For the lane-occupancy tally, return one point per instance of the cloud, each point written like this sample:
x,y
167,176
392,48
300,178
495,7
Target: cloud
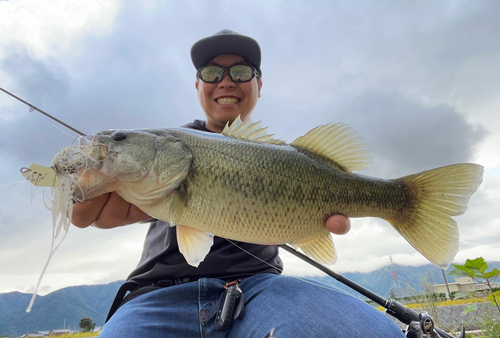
x,y
35,76
405,136
480,225
410,135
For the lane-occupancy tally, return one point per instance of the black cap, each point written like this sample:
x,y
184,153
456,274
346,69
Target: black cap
x,y
225,42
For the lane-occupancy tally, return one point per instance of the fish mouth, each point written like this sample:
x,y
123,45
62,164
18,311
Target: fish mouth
x,y
75,160
80,166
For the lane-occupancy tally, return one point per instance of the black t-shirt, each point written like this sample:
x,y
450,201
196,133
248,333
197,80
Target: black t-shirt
x,y
162,260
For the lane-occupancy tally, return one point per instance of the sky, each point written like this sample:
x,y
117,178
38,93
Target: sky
x,y
418,80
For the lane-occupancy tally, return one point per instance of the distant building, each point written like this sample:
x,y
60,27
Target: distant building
x,y
47,333
60,332
461,284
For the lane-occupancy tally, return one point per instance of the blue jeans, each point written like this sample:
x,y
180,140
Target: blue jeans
x,y
275,306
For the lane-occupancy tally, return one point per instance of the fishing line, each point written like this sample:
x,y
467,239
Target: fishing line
x,y
53,125
6,185
281,270
32,190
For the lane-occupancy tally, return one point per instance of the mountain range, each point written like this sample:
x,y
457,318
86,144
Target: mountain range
x,y
66,307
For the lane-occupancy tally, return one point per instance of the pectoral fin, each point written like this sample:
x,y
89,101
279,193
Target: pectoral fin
x,y
194,244
319,247
178,201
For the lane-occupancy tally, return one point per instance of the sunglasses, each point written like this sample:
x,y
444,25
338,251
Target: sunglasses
x,y
238,73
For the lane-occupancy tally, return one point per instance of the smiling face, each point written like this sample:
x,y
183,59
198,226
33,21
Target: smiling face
x,y
225,100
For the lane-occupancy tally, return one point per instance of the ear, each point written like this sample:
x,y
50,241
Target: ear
x,y
196,86
259,82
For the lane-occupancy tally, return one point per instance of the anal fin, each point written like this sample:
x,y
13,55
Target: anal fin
x,y
319,247
194,244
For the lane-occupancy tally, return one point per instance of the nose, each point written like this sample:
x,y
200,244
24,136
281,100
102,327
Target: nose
x,y
226,82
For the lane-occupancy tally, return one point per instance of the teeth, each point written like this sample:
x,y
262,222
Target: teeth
x,y
227,100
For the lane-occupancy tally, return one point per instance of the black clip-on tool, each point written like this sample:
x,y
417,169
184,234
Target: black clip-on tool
x,y
419,325
231,306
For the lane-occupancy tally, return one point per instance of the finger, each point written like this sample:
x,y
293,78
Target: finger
x,y
135,215
338,224
113,213
85,213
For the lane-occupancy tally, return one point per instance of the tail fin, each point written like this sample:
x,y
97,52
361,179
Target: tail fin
x,y
439,193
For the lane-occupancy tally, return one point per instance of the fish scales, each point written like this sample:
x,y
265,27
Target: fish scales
x,y
267,194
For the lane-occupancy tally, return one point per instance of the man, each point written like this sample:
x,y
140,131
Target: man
x,y
172,299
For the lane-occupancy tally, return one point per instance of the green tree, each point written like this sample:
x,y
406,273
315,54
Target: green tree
x,y
86,324
485,280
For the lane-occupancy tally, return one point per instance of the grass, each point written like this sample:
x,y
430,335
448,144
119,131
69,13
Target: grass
x,y
79,335
444,303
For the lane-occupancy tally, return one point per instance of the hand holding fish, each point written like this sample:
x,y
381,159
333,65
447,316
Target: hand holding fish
x,y
338,225
110,211
107,211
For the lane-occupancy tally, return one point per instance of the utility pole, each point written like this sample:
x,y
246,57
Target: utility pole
x,y
448,295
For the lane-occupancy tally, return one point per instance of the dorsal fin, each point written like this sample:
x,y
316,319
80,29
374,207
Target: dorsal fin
x,y
339,143
249,131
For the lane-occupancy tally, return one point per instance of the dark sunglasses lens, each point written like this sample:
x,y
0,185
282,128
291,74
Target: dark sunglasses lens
x,y
241,73
211,74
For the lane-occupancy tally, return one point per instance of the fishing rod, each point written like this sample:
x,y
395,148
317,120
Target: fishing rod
x,y
32,107
419,325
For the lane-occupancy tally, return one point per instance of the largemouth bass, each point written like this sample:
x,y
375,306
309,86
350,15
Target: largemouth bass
x,y
246,186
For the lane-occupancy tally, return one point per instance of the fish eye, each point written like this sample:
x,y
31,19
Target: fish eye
x,y
120,135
